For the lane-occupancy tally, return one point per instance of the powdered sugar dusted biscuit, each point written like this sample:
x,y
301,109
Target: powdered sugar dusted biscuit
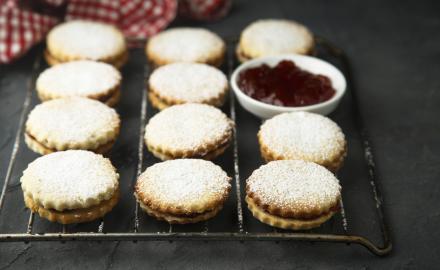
x,y
187,83
90,79
293,194
302,135
71,123
70,186
188,131
79,39
183,190
274,37
186,45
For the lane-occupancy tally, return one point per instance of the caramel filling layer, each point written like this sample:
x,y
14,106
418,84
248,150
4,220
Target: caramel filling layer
x,y
117,61
105,98
74,215
331,210
186,215
181,219
101,149
323,216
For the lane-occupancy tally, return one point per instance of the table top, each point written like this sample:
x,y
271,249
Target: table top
x,y
392,46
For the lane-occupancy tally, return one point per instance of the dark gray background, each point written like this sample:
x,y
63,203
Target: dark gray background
x,y
394,47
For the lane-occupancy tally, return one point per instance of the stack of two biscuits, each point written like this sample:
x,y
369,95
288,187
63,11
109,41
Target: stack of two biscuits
x,y
297,188
73,126
71,186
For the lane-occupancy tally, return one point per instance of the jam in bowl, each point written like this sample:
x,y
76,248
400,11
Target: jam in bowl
x,y
271,85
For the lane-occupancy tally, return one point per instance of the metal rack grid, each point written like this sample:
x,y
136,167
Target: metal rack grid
x,y
241,234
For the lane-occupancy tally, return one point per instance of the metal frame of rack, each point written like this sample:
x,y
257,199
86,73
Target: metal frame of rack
x,y
241,234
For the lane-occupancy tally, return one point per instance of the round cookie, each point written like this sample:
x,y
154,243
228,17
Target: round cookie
x,y
71,123
183,190
81,40
186,45
293,194
83,78
179,83
302,135
70,186
188,131
274,37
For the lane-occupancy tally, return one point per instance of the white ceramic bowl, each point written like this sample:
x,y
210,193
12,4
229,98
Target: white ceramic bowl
x,y
309,63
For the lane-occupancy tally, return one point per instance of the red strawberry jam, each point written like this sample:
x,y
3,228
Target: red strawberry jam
x,y
285,85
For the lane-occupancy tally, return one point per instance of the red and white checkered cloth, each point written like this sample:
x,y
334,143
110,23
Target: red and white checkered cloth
x,y
20,29
23,23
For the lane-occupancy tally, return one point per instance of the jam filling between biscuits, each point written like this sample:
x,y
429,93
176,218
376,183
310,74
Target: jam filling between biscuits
x,y
188,215
214,101
333,209
102,146
105,98
113,199
246,57
116,61
209,153
220,147
183,215
243,55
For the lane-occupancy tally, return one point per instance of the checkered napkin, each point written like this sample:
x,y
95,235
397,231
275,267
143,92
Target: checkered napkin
x,y
23,23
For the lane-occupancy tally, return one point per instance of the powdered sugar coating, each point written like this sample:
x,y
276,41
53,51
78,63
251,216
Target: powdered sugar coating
x,y
294,184
302,135
69,180
74,123
185,45
273,37
78,78
186,184
81,39
188,127
188,82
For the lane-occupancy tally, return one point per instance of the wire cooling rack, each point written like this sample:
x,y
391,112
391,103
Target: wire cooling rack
x,y
360,221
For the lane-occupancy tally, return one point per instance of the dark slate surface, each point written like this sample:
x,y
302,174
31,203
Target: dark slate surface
x,y
395,52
